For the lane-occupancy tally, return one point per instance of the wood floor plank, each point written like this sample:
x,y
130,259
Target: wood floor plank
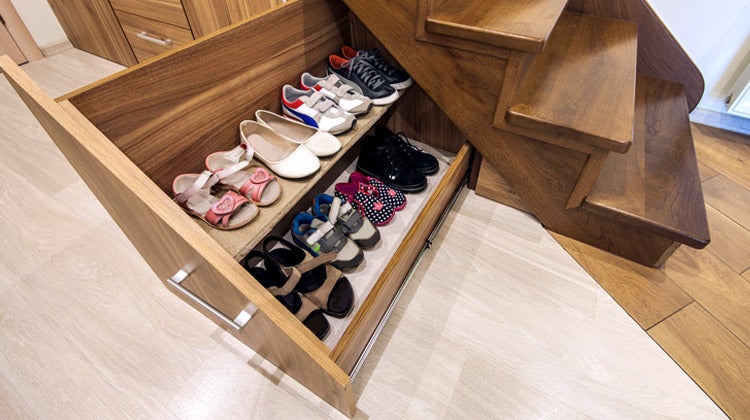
x,y
706,171
646,294
724,151
718,289
711,355
730,242
729,198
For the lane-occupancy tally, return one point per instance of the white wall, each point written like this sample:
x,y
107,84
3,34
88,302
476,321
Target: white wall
x,y
716,35
41,22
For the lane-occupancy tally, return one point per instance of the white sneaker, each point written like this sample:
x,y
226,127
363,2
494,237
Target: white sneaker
x,y
334,89
315,110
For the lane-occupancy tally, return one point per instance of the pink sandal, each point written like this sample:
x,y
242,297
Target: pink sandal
x,y
230,211
233,170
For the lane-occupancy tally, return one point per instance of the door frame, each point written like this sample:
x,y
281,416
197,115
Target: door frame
x,y
19,32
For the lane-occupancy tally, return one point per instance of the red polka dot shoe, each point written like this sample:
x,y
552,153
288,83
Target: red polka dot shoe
x,y
366,199
389,196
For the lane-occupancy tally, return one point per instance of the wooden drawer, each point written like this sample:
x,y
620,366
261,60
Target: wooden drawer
x,y
167,11
148,37
129,135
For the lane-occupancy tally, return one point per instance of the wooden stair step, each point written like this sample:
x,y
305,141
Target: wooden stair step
x,y
656,185
522,25
582,86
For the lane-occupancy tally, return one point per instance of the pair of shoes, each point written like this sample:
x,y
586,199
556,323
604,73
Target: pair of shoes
x,y
193,192
346,219
313,108
345,96
370,73
288,148
318,236
371,197
246,187
306,286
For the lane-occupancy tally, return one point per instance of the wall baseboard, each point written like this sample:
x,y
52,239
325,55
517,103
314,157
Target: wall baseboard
x,y
720,120
56,47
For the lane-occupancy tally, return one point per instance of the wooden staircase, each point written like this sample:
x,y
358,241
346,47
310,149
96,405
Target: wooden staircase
x,y
581,105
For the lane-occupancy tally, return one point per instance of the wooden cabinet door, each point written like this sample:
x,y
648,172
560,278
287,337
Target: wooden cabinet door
x,y
91,26
181,254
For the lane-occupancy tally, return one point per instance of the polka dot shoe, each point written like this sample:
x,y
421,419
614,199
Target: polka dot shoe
x,y
390,196
366,200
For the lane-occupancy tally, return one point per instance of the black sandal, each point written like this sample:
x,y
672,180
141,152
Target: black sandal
x,y
269,274
322,283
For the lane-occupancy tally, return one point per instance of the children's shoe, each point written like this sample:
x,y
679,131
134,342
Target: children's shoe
x,y
390,196
380,159
358,72
416,157
365,199
315,110
345,96
346,219
319,237
322,144
397,78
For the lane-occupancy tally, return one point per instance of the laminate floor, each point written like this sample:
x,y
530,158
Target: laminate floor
x,y
498,320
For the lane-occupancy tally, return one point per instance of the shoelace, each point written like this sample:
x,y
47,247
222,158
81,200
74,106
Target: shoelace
x,y
377,61
366,72
404,144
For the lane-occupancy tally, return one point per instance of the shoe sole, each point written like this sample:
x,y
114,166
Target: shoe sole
x,y
402,85
386,99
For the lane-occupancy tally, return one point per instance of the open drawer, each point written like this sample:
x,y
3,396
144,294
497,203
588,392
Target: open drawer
x,y
129,135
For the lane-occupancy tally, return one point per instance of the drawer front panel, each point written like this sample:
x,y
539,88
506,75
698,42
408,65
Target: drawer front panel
x,y
167,11
150,37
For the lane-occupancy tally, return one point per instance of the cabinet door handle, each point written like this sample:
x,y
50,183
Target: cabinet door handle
x,y
237,323
146,37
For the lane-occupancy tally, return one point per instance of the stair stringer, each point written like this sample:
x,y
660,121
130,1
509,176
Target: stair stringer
x,y
466,86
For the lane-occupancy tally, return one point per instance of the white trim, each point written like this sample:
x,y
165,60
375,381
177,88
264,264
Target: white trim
x,y
721,120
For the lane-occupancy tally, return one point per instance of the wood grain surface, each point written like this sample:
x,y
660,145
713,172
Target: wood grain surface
x,y
492,185
92,26
710,354
656,185
583,84
659,53
514,24
209,16
167,11
133,25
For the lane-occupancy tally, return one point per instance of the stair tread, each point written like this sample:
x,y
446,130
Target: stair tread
x,y
517,24
656,185
582,86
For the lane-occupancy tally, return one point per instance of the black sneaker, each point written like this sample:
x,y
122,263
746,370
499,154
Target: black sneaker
x,y
381,160
397,78
414,156
363,75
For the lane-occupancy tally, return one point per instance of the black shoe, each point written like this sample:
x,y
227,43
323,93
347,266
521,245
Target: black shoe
x,y
380,159
397,78
360,74
416,157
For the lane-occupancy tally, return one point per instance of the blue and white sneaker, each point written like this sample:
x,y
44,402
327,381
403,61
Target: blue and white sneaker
x,y
314,109
345,96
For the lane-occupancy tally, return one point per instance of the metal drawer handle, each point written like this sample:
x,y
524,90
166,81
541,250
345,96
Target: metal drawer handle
x,y
237,323
146,37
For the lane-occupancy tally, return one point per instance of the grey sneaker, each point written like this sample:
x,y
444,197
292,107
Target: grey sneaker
x,y
345,96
